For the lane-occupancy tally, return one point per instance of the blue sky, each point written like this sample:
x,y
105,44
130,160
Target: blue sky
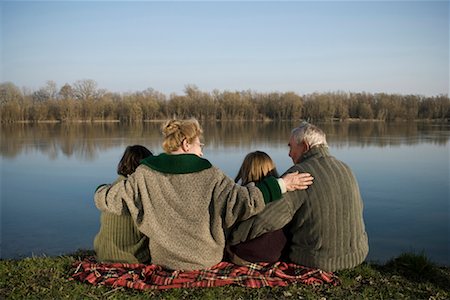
x,y
300,46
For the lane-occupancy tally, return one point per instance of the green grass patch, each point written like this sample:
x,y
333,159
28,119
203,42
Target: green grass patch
x,y
409,276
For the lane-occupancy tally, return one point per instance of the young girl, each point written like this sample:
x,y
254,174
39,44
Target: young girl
x,y
118,239
269,246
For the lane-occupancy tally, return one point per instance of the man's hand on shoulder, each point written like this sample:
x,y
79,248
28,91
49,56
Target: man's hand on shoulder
x,y
297,181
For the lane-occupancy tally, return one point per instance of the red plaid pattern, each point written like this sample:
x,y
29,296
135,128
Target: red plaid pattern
x,y
141,277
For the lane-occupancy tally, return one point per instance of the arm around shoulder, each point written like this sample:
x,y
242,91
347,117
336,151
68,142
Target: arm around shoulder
x,y
111,198
275,216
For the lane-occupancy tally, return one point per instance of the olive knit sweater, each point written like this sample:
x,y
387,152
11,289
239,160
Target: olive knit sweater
x,y
185,206
119,240
327,229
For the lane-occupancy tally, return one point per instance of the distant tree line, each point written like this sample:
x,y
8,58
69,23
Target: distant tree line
x,y
84,101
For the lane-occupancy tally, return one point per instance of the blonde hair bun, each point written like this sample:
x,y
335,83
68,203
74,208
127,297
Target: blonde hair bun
x,y
175,131
171,127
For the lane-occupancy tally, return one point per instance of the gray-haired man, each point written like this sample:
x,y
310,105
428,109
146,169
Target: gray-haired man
x,y
325,224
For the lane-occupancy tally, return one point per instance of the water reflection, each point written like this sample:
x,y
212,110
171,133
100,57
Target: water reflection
x,y
86,141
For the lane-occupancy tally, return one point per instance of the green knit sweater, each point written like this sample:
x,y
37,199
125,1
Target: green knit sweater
x,y
119,240
326,220
185,206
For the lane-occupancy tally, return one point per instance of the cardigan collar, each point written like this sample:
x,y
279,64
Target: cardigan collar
x,y
176,163
316,152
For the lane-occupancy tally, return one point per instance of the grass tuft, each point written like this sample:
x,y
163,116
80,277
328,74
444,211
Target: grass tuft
x,y
414,266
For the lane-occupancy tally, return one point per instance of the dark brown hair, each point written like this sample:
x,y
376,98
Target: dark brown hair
x,y
131,159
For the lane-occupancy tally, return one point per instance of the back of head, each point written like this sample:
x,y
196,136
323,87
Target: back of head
x,y
255,167
309,133
176,131
131,159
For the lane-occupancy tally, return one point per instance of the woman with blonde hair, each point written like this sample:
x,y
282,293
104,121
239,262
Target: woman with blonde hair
x,y
184,204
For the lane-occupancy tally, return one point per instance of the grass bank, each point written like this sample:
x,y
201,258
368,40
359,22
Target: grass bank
x,y
409,276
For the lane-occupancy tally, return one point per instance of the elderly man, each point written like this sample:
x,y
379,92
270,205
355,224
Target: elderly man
x,y
325,226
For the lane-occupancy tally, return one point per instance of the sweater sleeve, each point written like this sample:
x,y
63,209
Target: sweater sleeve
x,y
236,202
242,202
275,216
270,188
114,198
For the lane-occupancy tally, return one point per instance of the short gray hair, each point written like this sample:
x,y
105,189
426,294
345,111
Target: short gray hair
x,y
311,134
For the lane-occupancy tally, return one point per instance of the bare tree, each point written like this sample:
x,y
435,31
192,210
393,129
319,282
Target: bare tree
x,y
9,92
85,89
66,92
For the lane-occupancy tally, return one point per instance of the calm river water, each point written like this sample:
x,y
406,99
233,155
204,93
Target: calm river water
x,y
49,173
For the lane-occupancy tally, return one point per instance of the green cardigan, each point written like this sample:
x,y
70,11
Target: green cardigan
x,y
325,221
185,206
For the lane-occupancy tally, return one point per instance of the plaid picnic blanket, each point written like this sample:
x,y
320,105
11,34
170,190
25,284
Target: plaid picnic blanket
x,y
149,276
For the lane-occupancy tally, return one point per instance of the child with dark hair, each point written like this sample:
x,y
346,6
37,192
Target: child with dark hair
x,y
119,240
269,246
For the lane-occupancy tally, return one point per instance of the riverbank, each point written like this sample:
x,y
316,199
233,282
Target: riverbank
x,y
409,276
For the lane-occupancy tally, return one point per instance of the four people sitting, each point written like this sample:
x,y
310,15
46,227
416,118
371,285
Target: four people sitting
x,y
189,211
185,205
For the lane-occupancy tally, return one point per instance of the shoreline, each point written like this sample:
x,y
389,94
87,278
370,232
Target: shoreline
x,y
90,252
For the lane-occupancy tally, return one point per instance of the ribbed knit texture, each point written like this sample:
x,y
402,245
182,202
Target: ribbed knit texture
x,y
327,228
185,216
119,240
